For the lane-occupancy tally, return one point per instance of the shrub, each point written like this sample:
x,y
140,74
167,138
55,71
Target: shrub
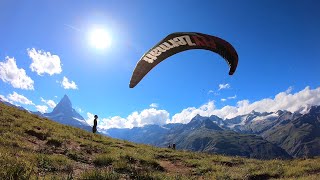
x,y
39,135
100,175
52,163
103,160
54,142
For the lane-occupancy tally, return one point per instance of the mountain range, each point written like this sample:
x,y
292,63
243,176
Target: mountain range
x,y
265,135
202,134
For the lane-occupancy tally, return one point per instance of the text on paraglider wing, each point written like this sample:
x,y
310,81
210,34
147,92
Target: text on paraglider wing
x,y
184,40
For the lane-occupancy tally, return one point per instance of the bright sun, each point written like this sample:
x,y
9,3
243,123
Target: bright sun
x,y
100,39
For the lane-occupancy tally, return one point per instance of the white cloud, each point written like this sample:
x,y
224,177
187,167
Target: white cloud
x,y
44,62
187,114
79,110
224,86
148,116
135,119
232,97
10,73
154,105
15,97
50,103
72,27
3,98
210,91
90,118
115,122
66,84
289,90
107,123
42,109
282,101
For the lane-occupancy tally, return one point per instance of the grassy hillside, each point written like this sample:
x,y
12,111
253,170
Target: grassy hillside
x,y
37,148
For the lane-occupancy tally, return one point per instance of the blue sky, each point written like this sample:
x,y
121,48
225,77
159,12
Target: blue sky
x,y
45,43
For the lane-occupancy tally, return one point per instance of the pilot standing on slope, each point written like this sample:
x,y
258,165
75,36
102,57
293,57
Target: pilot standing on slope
x,y
94,128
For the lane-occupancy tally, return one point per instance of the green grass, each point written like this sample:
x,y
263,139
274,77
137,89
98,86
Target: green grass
x,y
54,163
37,148
12,167
103,160
100,175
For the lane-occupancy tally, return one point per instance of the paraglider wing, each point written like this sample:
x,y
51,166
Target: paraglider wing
x,y
182,41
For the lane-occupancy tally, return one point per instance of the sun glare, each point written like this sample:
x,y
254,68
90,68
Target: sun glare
x,y
100,39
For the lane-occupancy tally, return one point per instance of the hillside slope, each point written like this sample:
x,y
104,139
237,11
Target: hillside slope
x,y
32,147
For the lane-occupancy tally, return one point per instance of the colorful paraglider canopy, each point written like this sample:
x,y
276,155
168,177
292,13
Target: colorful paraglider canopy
x,y
182,41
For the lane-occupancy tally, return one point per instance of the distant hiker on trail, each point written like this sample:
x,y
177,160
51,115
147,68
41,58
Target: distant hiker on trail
x,y
172,146
94,128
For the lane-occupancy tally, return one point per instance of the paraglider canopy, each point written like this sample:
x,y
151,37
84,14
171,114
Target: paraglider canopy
x,y
182,41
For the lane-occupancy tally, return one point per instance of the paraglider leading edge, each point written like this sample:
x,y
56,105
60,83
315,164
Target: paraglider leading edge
x,y
179,42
